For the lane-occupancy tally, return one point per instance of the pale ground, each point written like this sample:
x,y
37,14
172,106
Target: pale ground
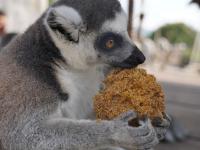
x,y
186,76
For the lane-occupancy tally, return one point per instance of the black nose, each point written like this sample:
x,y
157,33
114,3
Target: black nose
x,y
136,58
139,56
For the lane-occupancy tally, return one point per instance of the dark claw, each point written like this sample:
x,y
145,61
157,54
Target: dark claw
x,y
162,123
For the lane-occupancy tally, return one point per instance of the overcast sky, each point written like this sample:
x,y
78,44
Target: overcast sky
x,y
159,12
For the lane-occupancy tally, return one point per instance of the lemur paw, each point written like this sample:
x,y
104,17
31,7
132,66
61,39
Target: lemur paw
x,y
128,137
161,126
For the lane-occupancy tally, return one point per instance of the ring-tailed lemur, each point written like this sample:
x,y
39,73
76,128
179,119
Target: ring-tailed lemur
x,y
50,74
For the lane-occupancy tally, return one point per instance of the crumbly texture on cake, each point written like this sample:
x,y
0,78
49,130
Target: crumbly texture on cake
x,y
129,89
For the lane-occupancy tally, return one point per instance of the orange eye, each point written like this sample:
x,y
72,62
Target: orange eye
x,y
110,44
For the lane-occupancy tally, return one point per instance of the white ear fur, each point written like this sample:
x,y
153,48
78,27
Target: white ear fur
x,y
66,21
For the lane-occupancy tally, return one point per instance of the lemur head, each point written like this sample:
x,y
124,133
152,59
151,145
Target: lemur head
x,y
92,32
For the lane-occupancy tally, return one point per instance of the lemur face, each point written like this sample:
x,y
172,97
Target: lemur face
x,y
86,40
115,47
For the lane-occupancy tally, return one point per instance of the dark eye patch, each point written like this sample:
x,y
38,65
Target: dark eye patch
x,y
101,42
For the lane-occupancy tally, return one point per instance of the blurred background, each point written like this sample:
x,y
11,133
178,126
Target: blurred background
x,y
168,32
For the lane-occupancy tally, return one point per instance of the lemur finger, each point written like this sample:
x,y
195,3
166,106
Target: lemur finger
x,y
160,133
142,130
167,117
149,142
148,138
143,143
149,146
138,132
127,116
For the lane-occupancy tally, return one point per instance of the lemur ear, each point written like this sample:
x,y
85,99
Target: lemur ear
x,y
67,22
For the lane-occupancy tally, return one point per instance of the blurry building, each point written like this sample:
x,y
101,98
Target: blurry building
x,y
22,13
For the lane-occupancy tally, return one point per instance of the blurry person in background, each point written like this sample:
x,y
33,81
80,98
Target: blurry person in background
x,y
2,23
5,38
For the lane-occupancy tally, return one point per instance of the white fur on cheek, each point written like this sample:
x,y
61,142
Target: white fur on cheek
x,y
77,54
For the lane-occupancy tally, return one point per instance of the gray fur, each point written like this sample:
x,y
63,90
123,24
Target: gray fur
x,y
46,102
93,12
